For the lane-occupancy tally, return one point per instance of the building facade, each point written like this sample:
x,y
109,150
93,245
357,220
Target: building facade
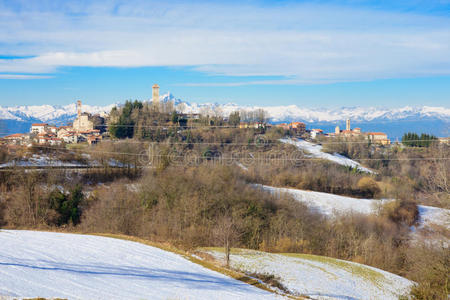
x,y
82,123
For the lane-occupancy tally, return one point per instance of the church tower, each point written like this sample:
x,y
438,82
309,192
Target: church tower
x,y
79,108
337,130
155,94
348,125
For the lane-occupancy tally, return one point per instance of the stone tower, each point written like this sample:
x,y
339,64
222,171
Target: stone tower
x,y
348,125
155,94
79,108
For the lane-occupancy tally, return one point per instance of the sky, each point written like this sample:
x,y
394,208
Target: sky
x,y
308,53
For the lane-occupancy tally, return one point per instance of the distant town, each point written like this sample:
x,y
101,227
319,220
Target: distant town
x,y
91,129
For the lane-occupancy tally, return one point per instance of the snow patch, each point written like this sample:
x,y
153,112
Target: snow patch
x,y
73,266
315,151
331,205
320,277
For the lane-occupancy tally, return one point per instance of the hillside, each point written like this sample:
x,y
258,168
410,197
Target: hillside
x,y
315,151
330,204
72,266
319,277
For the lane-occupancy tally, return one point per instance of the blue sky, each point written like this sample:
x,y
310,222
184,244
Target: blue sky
x,y
309,53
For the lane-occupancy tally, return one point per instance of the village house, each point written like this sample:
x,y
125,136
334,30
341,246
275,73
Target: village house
x,y
284,126
315,133
255,125
378,138
298,127
37,128
69,138
52,129
94,139
444,140
17,139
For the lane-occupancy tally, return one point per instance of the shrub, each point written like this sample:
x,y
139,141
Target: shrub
x,y
401,212
368,186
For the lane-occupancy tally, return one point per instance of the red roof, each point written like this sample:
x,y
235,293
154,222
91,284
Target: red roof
x,y
14,135
376,133
39,124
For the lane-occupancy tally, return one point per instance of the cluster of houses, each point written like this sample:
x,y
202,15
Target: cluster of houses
x,y
82,130
299,128
374,137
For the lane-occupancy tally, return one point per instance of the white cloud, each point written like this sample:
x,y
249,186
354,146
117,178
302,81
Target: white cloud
x,y
23,76
305,43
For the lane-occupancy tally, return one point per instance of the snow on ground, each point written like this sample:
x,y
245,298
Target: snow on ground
x,y
45,161
434,215
41,161
330,205
46,264
316,151
320,277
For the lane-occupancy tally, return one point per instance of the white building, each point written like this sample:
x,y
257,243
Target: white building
x,y
316,132
38,128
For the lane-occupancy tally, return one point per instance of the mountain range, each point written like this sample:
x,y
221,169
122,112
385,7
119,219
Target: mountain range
x,y
394,121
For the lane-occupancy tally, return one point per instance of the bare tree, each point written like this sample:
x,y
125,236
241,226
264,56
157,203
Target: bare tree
x,y
227,233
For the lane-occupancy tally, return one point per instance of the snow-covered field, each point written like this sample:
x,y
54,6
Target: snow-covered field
x,y
315,151
41,161
45,264
330,204
320,277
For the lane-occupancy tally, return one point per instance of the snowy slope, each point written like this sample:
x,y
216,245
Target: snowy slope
x,y
434,215
315,151
75,266
320,277
330,204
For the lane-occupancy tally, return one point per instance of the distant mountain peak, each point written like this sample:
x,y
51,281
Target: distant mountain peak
x,y
60,114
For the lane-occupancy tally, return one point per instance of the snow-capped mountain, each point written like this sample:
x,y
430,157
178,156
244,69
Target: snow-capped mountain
x,y
423,117
58,114
295,113
49,113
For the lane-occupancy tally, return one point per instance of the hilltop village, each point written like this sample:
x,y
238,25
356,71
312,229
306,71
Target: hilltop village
x,y
92,129
82,130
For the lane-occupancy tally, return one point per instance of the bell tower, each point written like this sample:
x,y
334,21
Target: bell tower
x,y
348,125
155,94
79,108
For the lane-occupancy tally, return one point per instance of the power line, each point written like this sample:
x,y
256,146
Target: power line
x,y
268,156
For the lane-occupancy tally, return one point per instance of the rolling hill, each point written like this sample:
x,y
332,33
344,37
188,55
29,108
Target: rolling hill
x,y
72,266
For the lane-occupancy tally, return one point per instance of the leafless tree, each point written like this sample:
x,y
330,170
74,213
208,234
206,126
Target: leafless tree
x,y
227,233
